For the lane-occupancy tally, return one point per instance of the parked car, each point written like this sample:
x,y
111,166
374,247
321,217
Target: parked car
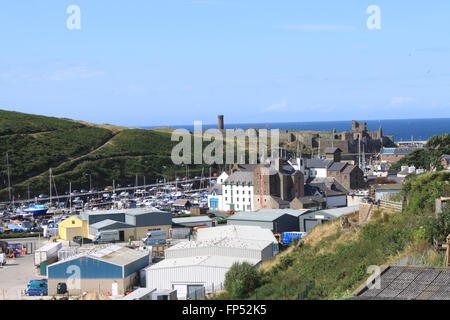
x,y
37,284
79,240
36,291
61,288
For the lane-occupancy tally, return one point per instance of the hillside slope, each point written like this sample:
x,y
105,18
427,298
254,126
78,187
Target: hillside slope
x,y
335,260
75,149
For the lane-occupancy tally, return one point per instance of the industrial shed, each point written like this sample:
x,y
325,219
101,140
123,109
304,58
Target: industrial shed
x,y
146,220
308,220
192,222
125,230
190,274
254,249
70,228
142,221
238,232
111,269
277,222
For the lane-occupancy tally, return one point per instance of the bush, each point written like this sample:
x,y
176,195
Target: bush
x,y
241,280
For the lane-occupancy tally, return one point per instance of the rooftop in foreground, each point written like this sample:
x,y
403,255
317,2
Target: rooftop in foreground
x,y
409,283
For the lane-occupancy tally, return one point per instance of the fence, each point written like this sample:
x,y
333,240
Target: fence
x,y
386,204
202,292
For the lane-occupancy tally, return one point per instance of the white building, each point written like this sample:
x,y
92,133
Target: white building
x,y
316,168
237,191
189,275
239,232
215,198
193,266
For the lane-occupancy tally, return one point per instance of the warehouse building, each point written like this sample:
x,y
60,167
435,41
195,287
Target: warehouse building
x,y
201,265
308,220
145,220
278,222
105,270
238,232
191,222
126,231
70,228
189,275
254,249
134,223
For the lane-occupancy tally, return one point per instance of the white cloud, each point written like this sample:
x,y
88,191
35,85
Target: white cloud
x,y
277,106
317,27
397,101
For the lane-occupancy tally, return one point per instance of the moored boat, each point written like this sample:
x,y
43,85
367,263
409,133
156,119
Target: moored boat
x,y
37,210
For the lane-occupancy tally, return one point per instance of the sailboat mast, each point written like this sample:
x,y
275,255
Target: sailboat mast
x,y
9,178
50,179
70,197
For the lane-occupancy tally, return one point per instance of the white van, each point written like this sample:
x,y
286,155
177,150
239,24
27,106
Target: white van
x,y
106,236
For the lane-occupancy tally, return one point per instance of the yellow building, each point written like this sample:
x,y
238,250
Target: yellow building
x,y
70,228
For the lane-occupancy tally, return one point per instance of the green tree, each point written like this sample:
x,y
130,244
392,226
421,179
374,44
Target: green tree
x,y
241,280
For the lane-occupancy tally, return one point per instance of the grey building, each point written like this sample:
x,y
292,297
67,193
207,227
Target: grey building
x,y
278,222
309,219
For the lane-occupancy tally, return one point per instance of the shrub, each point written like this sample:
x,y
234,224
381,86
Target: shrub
x,y
241,280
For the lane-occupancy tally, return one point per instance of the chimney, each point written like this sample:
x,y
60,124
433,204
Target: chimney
x,y
220,120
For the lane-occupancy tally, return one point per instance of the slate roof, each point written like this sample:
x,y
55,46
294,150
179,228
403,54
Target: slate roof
x,y
332,150
240,177
336,166
317,163
348,169
409,283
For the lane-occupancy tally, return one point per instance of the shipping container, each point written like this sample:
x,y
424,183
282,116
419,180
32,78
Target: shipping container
x,y
46,252
287,237
43,266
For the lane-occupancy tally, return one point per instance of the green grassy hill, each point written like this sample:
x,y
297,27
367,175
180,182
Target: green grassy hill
x,y
75,149
336,260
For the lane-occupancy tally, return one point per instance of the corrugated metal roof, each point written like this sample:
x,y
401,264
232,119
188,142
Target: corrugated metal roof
x,y
337,212
191,219
114,254
292,212
236,232
256,216
207,261
222,242
108,222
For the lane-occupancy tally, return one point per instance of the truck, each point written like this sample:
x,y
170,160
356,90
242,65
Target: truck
x,y
106,236
46,252
154,237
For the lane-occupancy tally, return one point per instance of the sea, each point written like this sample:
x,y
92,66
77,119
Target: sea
x,y
401,129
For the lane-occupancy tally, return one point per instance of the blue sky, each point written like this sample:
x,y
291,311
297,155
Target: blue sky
x,y
168,62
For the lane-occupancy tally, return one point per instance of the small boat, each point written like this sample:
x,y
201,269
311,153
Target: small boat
x,y
36,210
